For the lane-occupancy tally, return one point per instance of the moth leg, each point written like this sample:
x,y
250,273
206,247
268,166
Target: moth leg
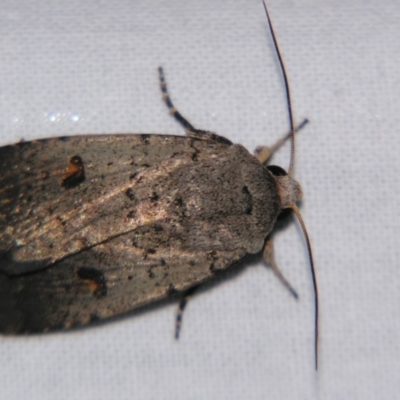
x,y
182,304
268,255
264,153
189,128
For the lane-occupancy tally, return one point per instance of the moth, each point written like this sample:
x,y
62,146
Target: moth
x,y
95,226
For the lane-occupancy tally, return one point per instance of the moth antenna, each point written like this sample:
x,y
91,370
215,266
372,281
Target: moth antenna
x,y
287,90
290,171
314,278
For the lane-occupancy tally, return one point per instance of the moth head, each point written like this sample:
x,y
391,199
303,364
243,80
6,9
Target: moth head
x,y
289,190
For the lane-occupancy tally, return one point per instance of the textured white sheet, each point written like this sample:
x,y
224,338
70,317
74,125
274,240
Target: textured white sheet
x,y
90,66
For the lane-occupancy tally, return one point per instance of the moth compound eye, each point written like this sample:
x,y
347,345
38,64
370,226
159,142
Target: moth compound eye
x,y
276,171
285,213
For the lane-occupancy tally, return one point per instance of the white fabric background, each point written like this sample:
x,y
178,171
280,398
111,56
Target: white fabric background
x,y
90,67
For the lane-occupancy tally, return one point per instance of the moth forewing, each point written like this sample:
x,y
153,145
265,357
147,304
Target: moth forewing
x,y
147,220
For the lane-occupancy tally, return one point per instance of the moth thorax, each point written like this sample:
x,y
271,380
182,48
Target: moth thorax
x,y
289,191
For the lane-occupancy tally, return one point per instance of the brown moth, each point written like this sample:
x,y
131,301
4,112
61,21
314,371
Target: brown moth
x,y
96,226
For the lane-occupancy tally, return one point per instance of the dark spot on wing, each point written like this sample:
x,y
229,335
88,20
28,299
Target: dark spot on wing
x,y
179,201
75,173
95,280
154,197
249,200
130,194
131,214
158,228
